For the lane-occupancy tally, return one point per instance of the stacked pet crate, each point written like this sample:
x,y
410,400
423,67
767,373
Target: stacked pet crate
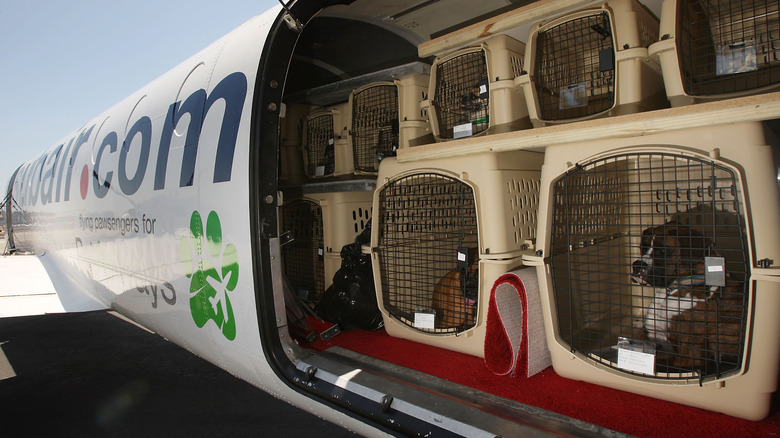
x,y
472,91
385,116
326,149
291,163
592,63
660,249
320,224
303,257
658,280
442,233
718,49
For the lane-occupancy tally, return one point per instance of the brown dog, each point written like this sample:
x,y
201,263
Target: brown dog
x,y
695,320
453,309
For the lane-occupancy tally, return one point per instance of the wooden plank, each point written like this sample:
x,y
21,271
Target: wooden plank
x,y
528,14
744,109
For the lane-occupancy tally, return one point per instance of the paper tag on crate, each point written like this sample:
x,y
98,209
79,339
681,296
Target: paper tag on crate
x,y
735,58
464,130
636,356
425,319
573,96
484,89
463,257
715,271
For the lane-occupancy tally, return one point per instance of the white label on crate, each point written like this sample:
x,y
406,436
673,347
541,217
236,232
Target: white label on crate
x,y
636,361
330,142
714,268
424,320
735,58
483,89
461,131
573,96
319,171
461,257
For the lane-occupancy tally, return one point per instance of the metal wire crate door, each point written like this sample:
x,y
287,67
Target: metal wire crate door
x,y
601,212
303,256
575,71
462,94
728,46
424,219
320,151
375,126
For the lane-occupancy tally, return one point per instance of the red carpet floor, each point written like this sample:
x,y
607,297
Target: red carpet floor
x,y
622,411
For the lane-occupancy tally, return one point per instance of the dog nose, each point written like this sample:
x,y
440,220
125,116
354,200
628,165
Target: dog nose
x,y
639,268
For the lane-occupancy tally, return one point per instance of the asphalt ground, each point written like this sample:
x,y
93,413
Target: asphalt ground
x,y
93,374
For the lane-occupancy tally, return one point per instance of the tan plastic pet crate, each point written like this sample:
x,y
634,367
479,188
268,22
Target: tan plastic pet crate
x,y
320,225
472,90
592,63
443,232
659,257
718,49
303,257
291,164
326,150
386,116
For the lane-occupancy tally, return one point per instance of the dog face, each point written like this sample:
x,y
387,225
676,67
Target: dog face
x,y
670,252
686,317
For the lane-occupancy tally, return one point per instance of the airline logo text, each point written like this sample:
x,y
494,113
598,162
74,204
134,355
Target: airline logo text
x,y
48,179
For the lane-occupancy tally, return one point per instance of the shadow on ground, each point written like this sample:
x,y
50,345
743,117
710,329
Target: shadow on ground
x,y
91,374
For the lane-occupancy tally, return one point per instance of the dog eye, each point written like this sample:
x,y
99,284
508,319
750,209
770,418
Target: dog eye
x,y
659,253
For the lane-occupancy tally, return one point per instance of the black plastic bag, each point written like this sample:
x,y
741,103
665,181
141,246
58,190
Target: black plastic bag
x,y
351,300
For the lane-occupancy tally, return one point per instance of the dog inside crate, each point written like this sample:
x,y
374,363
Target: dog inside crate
x,y
462,96
649,253
455,295
429,252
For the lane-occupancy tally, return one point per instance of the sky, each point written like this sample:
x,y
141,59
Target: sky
x,y
63,63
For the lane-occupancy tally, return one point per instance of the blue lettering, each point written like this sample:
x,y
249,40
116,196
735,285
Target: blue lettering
x,y
194,107
101,189
130,185
27,182
62,168
46,190
233,90
37,168
19,189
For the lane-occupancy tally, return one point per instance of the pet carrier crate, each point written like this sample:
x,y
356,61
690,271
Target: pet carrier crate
x,y
442,233
659,276
326,149
592,63
291,163
320,224
386,116
718,49
472,90
303,257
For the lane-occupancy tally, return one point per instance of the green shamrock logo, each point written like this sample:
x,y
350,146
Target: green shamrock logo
x,y
213,273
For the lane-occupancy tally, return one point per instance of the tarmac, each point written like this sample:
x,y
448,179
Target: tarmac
x,y
94,374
